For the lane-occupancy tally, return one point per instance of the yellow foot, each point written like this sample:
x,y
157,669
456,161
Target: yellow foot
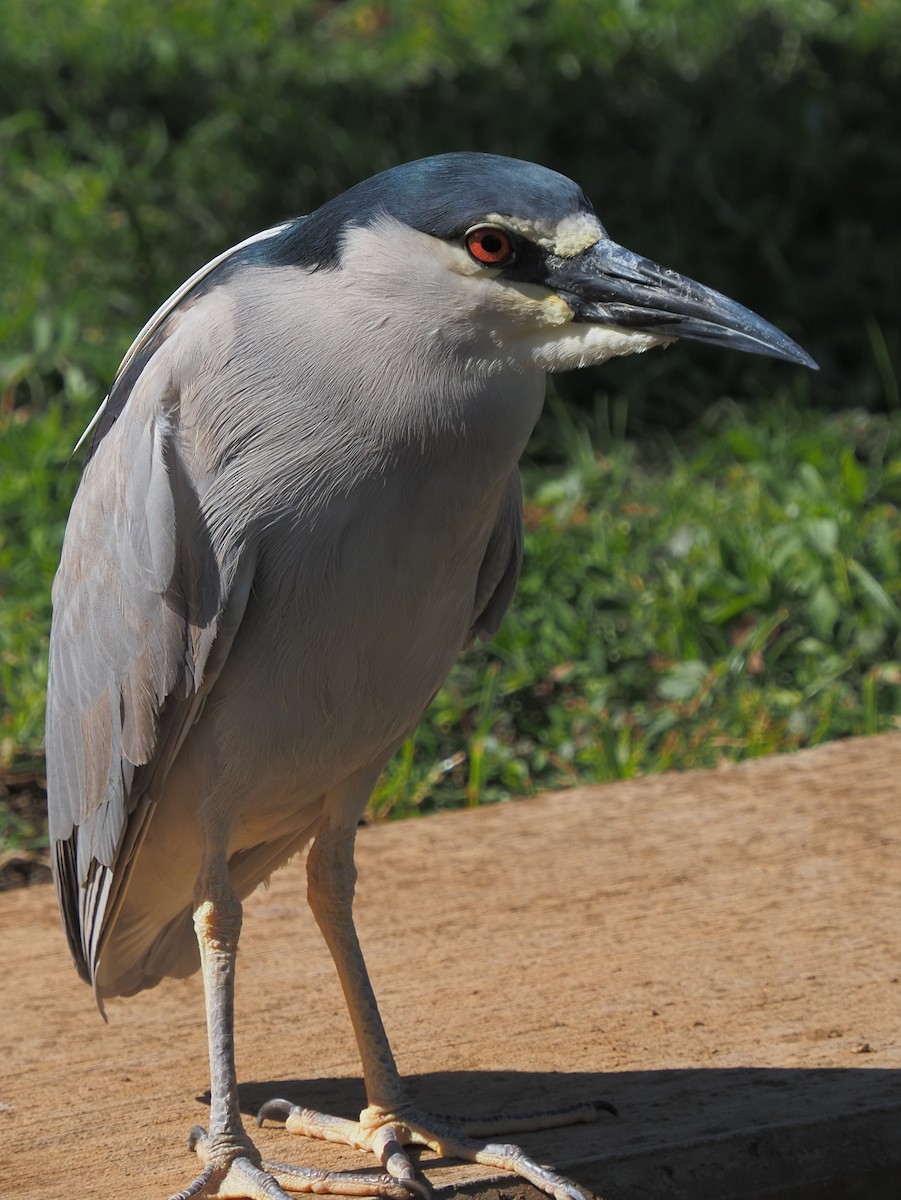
x,y
239,1175
385,1133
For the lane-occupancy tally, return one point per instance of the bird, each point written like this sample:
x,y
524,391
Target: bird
x,y
300,503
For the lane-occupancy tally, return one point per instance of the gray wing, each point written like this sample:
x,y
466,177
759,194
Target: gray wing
x,y
501,565
153,335
145,609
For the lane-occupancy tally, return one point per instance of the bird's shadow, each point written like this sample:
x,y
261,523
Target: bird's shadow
x,y
692,1134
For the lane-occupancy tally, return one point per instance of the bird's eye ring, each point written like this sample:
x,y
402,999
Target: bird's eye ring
x,y
489,245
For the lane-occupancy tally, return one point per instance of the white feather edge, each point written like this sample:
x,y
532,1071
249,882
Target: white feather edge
x,y
168,306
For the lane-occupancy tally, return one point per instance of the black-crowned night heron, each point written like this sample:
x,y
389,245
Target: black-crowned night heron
x,y
301,503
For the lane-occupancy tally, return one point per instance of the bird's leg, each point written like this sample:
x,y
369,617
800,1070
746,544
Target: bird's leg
x,y
232,1166
391,1120
331,881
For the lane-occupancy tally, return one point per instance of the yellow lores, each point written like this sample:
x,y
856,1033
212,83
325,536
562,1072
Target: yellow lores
x,y
530,307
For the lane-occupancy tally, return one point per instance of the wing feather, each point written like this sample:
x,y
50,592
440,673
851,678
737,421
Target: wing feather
x,y
140,600
501,565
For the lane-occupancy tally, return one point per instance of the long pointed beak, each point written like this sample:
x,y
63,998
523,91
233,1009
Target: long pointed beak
x,y
610,285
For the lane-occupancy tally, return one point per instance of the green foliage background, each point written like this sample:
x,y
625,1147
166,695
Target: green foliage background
x,y
730,589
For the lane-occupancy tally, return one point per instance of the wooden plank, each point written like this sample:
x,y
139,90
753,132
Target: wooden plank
x,y
717,953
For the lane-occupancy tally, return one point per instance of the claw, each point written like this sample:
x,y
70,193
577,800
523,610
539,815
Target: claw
x,y
571,1192
197,1134
419,1187
387,1145
282,1107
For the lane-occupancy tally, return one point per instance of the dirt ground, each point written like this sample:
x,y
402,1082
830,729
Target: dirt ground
x,y
717,953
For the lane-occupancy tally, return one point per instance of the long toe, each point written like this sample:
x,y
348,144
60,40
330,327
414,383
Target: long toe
x,y
239,1179
341,1183
386,1134
514,1161
497,1124
234,1176
385,1143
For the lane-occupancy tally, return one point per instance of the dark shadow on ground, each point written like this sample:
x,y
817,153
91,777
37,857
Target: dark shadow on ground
x,y
694,1134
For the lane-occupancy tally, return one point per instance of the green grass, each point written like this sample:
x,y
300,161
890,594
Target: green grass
x,y
35,490
728,593
732,594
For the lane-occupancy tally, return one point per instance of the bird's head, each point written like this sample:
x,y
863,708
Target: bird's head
x,y
512,257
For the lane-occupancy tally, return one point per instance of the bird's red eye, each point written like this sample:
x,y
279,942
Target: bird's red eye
x,y
489,245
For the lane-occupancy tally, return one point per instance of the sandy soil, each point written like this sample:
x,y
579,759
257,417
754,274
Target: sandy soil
x,y
712,952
